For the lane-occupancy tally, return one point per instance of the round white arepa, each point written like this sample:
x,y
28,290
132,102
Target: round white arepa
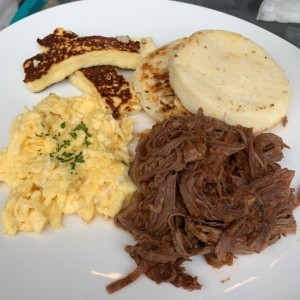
x,y
231,78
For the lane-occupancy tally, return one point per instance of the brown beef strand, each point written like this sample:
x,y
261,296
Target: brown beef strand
x,y
204,188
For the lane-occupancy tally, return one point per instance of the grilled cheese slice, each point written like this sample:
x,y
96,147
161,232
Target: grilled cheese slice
x,y
110,86
64,52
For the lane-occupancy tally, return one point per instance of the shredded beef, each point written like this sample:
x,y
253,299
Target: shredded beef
x,y
204,188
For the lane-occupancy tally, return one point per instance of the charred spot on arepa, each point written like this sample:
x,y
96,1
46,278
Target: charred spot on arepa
x,y
151,83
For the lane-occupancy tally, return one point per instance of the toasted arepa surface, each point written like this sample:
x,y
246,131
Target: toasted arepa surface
x,y
151,83
231,78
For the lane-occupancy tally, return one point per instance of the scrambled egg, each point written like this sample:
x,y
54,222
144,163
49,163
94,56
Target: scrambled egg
x,y
65,156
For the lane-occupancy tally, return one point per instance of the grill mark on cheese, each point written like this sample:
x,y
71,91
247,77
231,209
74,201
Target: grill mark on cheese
x,y
64,52
109,83
110,86
38,65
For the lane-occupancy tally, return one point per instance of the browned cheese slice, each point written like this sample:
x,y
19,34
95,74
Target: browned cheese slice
x,y
64,52
107,83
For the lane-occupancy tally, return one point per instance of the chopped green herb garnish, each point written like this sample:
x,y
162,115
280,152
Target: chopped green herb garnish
x,y
67,154
82,127
86,141
42,134
70,157
62,159
73,135
65,144
77,159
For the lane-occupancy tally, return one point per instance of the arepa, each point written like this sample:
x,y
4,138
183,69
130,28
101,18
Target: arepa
x,y
231,77
151,83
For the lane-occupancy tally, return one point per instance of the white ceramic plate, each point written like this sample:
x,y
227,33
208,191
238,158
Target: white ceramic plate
x,y
78,261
